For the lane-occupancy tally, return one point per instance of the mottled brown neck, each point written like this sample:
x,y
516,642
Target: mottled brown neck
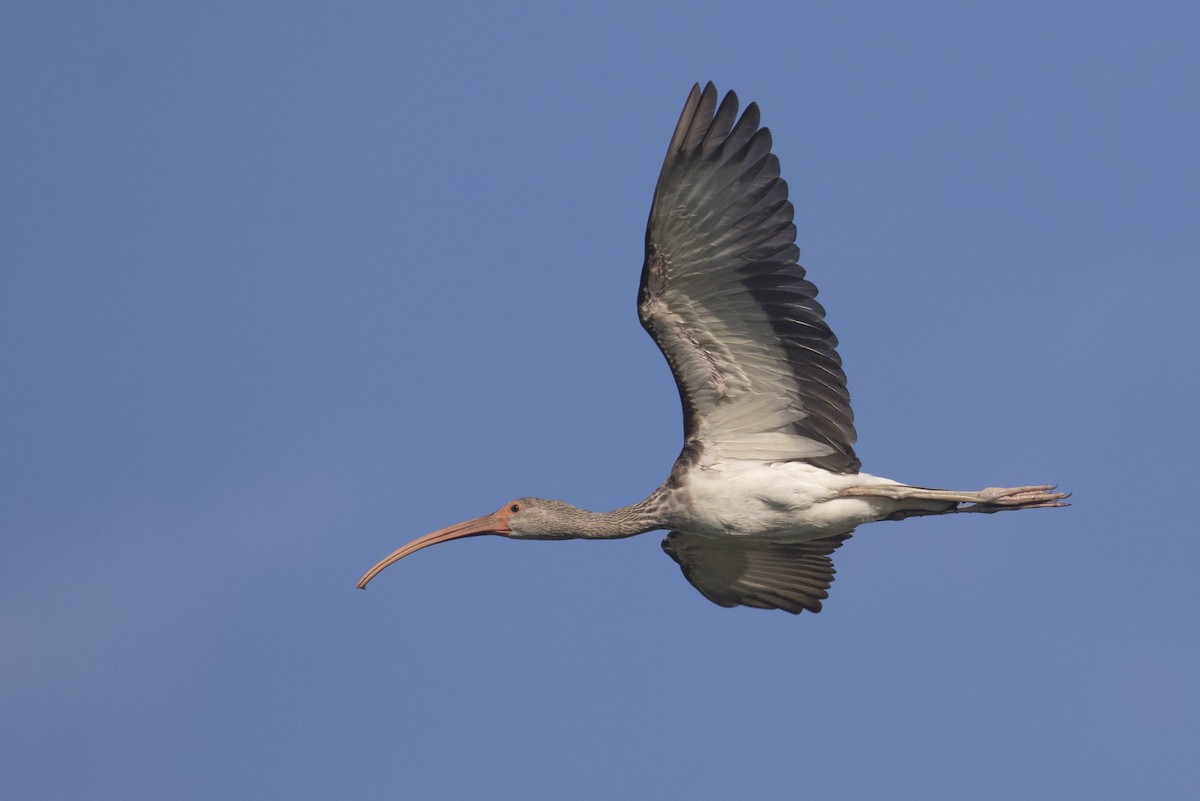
x,y
627,521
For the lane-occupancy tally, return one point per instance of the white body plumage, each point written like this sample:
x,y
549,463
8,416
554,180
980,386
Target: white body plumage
x,y
782,501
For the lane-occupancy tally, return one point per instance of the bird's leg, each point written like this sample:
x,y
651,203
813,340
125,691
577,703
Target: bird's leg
x,y
940,501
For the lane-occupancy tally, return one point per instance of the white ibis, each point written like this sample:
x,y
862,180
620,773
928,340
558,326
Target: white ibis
x,y
767,485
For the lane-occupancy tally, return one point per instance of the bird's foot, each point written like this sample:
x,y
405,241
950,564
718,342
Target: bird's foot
x,y
999,499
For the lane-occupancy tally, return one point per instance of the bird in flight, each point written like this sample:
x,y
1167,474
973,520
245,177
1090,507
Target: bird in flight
x,y
767,485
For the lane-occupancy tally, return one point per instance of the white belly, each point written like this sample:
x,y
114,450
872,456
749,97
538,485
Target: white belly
x,y
782,500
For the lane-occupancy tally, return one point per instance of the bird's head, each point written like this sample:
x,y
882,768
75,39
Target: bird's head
x,y
524,518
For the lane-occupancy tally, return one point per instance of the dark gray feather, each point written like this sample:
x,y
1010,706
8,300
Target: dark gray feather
x,y
744,571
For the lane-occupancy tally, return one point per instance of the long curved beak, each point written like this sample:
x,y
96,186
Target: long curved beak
x,y
488,524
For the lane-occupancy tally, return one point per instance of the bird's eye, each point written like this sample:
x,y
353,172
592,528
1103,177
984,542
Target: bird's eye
x,y
516,507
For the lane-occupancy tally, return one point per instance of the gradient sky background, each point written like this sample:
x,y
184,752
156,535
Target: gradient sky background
x,y
287,284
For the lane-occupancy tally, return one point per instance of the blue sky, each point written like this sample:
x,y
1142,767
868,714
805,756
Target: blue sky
x,y
286,285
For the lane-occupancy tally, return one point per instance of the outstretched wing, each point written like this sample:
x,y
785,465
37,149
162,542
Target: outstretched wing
x,y
746,571
725,300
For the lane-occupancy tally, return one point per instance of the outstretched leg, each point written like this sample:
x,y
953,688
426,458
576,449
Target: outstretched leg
x,y
928,501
